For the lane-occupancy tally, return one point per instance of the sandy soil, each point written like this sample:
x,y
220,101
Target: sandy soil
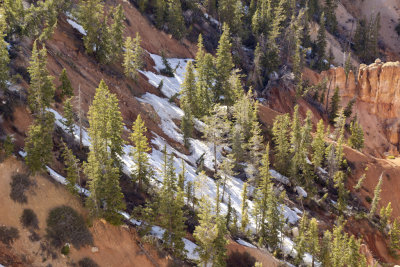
x,y
118,246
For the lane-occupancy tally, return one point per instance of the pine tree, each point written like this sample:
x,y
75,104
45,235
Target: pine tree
x,y
275,220
355,258
245,216
280,131
348,110
295,143
331,22
318,145
71,168
188,102
133,56
4,57
301,241
161,7
326,243
377,197
66,87
356,139
39,143
237,141
334,106
41,89
357,187
181,177
347,66
216,129
231,12
14,15
255,145
339,180
170,209
313,242
321,43
220,243
385,214
228,217
223,66
175,20
225,172
394,235
117,31
245,114
102,167
142,172
68,121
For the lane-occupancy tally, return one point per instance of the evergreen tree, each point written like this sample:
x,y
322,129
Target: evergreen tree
x,y
339,180
394,235
223,66
313,9
280,137
313,242
255,145
356,139
41,89
275,220
245,114
321,43
318,145
347,66
225,172
71,168
295,143
188,102
181,177
176,23
170,209
301,241
377,197
326,243
161,7
385,214
39,143
117,31
142,172
216,129
68,121
4,57
102,167
348,110
66,87
231,12
357,187
220,243
366,39
14,15
133,56
334,106
331,22
245,216
237,141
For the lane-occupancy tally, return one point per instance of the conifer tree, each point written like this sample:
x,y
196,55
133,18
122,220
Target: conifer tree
x,y
220,243
176,23
161,7
280,137
133,56
275,220
313,243
318,145
142,172
187,124
216,129
377,197
347,65
331,22
4,57
225,171
334,105
348,110
394,235
255,145
357,187
66,87
295,143
385,214
356,139
245,216
321,43
102,167
339,180
39,143
116,32
41,89
188,102
181,177
245,114
231,13
326,243
301,241
170,209
68,121
223,66
71,168
228,217
237,141
14,15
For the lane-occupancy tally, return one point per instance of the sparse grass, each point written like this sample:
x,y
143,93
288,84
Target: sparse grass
x,y
8,235
65,225
87,262
29,219
20,183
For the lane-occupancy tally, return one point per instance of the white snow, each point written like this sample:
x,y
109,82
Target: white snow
x,y
279,177
76,26
300,190
214,21
246,244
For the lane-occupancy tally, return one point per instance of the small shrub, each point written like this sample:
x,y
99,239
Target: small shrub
x,y
87,262
368,199
8,235
8,146
391,157
65,249
167,70
29,219
65,225
173,98
238,259
20,182
34,237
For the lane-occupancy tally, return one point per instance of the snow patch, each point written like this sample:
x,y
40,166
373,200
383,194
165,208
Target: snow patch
x,y
300,190
246,244
77,26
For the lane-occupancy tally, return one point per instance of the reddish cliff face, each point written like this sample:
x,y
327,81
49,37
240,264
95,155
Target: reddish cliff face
x,y
377,93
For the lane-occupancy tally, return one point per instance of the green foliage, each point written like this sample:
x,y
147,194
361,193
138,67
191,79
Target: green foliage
x,y
133,56
385,214
377,197
347,66
334,106
117,31
8,146
161,8
142,172
231,12
65,225
65,249
68,121
4,57
66,87
339,180
331,22
275,219
366,39
244,208
394,235
356,139
280,131
321,44
188,102
71,168
348,110
19,184
357,187
318,145
29,219
39,143
102,167
175,20
167,70
8,235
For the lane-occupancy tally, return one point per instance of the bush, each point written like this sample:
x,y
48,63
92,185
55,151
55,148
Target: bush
x,y
8,235
87,262
29,219
368,199
65,249
391,157
238,259
8,146
20,182
65,225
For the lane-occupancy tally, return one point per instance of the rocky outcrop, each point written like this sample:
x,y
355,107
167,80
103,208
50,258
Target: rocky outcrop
x,y
377,93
